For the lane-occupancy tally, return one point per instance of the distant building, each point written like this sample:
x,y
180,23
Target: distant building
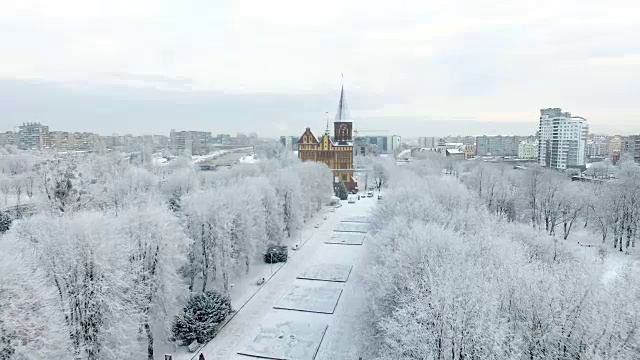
x,y
469,151
527,150
393,143
597,147
615,146
61,140
361,147
443,145
456,153
497,145
336,152
428,142
289,142
189,142
222,139
562,139
33,136
631,146
8,138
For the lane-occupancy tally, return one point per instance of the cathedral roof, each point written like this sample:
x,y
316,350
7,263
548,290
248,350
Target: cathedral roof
x,y
313,139
343,115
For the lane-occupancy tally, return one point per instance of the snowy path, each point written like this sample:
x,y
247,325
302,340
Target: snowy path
x,y
259,308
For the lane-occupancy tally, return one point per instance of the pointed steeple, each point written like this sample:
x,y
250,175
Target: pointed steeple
x,y
326,132
343,110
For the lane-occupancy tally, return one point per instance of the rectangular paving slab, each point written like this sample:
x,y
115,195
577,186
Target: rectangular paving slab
x,y
286,340
346,238
351,227
357,219
327,272
316,299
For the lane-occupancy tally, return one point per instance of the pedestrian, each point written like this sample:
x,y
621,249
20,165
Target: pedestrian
x,y
201,357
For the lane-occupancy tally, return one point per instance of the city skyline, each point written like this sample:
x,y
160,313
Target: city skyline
x,y
246,66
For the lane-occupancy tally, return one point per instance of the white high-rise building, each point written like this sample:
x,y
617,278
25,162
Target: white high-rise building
x,y
561,139
393,143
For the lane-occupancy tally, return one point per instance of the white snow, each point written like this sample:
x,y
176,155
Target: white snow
x,y
587,246
327,272
352,227
346,238
357,219
313,296
158,160
287,340
249,159
245,326
202,158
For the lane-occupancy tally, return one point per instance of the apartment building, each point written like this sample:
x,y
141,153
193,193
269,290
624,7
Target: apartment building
x,y
562,139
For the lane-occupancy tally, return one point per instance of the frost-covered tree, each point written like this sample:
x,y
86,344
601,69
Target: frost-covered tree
x,y
81,257
157,247
271,211
66,188
380,172
455,281
31,325
289,199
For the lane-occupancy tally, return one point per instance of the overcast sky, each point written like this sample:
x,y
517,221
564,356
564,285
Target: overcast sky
x,y
415,68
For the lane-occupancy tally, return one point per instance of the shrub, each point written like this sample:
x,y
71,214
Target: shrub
x,y
341,191
276,253
201,316
5,222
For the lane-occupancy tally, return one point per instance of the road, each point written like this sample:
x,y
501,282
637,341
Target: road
x,y
258,310
225,159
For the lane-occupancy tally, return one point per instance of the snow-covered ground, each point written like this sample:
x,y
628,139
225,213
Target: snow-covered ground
x,y
587,245
240,334
249,159
202,158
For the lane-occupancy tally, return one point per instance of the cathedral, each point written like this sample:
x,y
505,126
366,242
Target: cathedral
x,y
336,151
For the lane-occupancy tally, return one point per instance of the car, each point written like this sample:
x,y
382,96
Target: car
x,y
352,199
370,194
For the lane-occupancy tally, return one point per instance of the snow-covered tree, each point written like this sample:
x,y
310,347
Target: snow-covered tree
x,y
66,188
455,281
31,325
157,248
81,256
289,199
380,172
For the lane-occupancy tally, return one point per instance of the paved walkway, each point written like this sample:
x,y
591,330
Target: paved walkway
x,y
246,323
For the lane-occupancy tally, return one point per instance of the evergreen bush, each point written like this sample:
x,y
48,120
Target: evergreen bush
x,y
201,316
276,254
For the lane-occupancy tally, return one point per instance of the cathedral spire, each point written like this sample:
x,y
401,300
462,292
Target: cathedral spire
x,y
326,132
343,110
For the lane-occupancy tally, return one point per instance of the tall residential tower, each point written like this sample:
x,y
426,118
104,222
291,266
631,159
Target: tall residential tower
x,y
561,139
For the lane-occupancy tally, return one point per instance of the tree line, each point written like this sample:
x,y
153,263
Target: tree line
x,y
551,202
451,276
110,251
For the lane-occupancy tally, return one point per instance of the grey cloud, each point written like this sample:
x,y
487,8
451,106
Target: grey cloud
x,y
108,109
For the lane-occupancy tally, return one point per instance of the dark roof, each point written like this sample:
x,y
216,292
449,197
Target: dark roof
x,y
343,110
